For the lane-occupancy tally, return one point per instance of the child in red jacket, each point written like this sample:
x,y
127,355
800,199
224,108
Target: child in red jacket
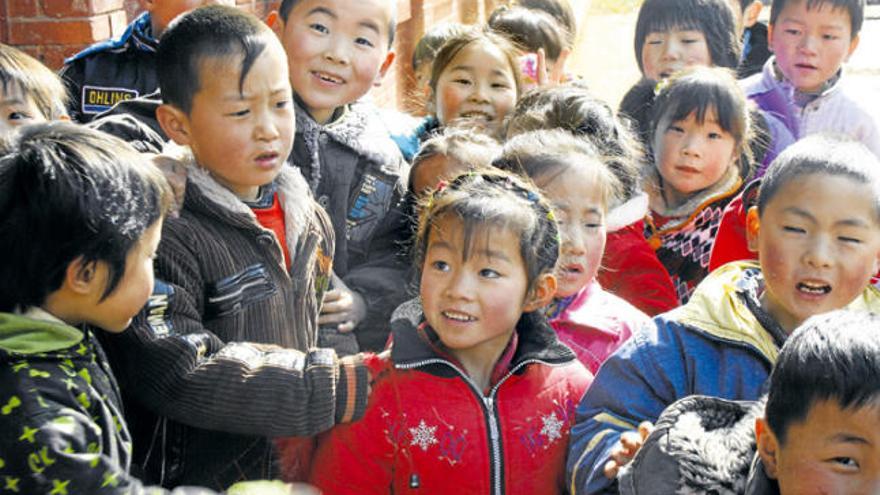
x,y
576,179
629,268
477,395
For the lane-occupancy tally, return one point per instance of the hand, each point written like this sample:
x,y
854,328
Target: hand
x,y
629,444
549,78
342,306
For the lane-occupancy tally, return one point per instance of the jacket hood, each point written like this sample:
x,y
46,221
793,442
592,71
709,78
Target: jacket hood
x,y
536,339
729,318
26,335
292,188
699,445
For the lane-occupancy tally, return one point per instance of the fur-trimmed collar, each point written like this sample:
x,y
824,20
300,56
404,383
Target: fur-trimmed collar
x,y
358,128
293,193
729,183
627,213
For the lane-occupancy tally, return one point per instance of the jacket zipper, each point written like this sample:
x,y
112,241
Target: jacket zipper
x,y
489,411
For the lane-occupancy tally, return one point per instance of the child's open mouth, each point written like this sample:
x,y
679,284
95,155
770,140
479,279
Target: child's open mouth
x,y
805,66
267,159
814,288
328,78
456,316
476,116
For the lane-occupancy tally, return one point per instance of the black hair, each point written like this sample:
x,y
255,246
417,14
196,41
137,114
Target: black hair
x,y
19,72
822,154
714,18
499,199
831,357
855,8
561,11
433,39
743,4
699,90
69,192
574,109
288,5
211,32
476,150
529,29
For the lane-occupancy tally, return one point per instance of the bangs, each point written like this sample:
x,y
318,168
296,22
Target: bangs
x,y
701,96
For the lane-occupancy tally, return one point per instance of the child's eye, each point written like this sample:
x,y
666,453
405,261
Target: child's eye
x,y
315,26
830,37
441,266
18,116
592,226
489,273
239,113
500,85
461,81
675,128
846,462
715,135
796,230
690,40
282,104
850,240
793,32
364,42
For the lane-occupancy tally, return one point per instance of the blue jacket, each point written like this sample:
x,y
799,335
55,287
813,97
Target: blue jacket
x,y
714,345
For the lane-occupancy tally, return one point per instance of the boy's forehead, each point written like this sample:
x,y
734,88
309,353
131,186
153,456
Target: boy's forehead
x,y
382,13
831,11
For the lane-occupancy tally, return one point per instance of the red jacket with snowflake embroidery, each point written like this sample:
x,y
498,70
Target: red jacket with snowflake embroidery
x,y
429,430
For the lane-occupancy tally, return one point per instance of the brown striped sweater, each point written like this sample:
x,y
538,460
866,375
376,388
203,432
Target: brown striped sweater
x,y
225,343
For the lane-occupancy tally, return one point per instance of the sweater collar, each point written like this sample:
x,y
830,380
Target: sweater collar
x,y
729,183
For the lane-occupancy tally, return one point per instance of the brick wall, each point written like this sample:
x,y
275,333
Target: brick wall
x,y
51,30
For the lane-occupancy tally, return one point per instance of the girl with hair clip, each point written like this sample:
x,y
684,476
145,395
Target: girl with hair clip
x,y
575,178
701,132
629,268
477,394
673,35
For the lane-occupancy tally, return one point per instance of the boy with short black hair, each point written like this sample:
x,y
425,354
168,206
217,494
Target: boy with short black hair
x,y
816,228
338,50
80,218
819,433
240,273
29,91
124,67
803,83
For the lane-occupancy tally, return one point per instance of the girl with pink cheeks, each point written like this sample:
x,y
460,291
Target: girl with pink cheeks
x,y
581,187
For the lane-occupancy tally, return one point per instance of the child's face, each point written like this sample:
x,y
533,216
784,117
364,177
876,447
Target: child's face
x,y
433,170
818,241
579,207
478,85
691,156
337,50
811,44
473,304
16,110
243,138
833,450
114,313
667,52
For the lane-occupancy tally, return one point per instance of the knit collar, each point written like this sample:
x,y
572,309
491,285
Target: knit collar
x,y
726,186
804,98
358,128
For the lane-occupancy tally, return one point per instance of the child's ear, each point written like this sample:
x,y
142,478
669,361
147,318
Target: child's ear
x,y
175,123
148,5
81,276
541,294
276,23
753,228
750,16
852,47
768,446
384,68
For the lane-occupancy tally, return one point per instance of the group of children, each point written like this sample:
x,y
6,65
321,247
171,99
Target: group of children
x,y
305,286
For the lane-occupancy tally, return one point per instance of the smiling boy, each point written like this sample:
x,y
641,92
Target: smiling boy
x,y
338,50
240,273
804,82
816,228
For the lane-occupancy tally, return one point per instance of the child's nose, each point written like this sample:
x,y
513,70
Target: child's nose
x,y
692,146
479,93
460,286
671,50
818,254
266,128
573,242
337,51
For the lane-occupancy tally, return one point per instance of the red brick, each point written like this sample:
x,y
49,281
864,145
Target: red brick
x,y
4,31
21,8
79,8
42,32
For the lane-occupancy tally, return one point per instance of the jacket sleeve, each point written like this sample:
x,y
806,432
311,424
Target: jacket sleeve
x,y
730,242
631,271
171,363
635,384
357,458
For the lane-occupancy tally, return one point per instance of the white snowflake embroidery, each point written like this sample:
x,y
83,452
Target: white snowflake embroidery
x,y
423,436
552,427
